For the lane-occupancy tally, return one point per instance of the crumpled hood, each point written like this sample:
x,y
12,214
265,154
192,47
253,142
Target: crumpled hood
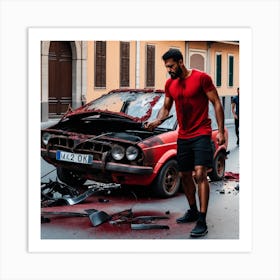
x,y
98,123
83,112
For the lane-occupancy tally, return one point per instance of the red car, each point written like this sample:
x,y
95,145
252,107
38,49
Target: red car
x,y
105,141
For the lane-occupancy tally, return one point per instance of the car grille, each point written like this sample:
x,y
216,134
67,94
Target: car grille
x,y
93,147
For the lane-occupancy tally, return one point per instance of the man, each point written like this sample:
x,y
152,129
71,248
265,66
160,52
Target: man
x,y
191,90
235,112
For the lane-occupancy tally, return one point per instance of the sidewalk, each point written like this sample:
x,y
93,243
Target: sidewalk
x,y
49,123
229,122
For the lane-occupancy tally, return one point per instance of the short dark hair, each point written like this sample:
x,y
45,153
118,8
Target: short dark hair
x,y
173,53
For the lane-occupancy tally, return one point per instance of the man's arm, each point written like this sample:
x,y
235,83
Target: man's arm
x,y
163,113
219,112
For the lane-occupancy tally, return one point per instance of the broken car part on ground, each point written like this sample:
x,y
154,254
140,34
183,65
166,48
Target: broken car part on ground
x,y
57,193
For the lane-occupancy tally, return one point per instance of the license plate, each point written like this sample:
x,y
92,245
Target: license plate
x,y
72,157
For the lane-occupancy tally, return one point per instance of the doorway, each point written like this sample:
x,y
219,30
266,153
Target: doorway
x,y
60,78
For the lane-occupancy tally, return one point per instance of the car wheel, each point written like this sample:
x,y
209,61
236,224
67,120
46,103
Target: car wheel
x,y
69,177
168,180
219,166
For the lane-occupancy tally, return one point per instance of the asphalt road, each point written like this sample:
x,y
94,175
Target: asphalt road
x,y
222,217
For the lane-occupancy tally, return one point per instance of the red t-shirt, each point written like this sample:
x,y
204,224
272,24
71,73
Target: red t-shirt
x,y
191,103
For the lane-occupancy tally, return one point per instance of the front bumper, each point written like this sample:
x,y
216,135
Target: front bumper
x,y
105,166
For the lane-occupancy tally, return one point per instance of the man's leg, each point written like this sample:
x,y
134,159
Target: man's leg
x,y
185,158
203,192
203,187
189,189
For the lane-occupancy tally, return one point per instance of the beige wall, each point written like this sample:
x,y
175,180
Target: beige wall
x,y
160,71
113,64
112,68
225,50
83,67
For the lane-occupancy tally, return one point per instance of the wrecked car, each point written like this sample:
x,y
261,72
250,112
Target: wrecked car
x,y
105,140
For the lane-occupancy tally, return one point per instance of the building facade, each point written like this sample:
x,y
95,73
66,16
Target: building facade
x,y
75,72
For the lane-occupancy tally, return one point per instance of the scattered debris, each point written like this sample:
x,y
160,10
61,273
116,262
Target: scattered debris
x,y
231,176
56,193
66,214
148,226
228,188
52,191
103,200
98,217
63,213
138,219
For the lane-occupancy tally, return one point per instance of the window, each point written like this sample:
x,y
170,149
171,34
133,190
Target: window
x,y
230,70
197,59
124,64
150,66
218,70
100,64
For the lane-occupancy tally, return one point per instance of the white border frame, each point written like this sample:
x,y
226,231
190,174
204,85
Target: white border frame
x,y
35,36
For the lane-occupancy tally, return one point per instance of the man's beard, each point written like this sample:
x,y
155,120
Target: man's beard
x,y
177,74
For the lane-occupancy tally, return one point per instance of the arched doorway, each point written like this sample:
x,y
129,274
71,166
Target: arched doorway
x,y
60,78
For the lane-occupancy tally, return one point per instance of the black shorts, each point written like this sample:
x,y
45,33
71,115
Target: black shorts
x,y
193,152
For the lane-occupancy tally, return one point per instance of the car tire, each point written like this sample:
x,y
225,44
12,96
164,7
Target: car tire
x,y
69,177
168,180
219,166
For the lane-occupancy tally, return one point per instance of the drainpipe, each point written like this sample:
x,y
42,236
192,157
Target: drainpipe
x,y
83,72
187,62
81,88
208,64
137,65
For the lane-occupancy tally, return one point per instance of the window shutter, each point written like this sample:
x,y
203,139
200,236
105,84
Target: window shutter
x,y
218,70
100,64
230,71
150,60
124,61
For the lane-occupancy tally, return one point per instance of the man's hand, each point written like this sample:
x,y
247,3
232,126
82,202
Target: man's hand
x,y
152,125
220,138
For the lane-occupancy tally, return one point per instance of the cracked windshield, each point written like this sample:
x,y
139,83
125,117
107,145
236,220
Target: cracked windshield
x,y
141,106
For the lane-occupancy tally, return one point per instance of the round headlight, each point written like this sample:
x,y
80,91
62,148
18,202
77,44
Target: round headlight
x,y
46,137
118,152
131,153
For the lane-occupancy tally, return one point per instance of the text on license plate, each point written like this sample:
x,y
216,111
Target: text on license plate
x,y
71,157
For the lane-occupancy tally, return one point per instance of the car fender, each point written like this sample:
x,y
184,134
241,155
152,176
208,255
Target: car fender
x,y
165,157
220,149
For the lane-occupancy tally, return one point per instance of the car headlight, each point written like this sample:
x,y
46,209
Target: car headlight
x,y
118,152
46,137
131,153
